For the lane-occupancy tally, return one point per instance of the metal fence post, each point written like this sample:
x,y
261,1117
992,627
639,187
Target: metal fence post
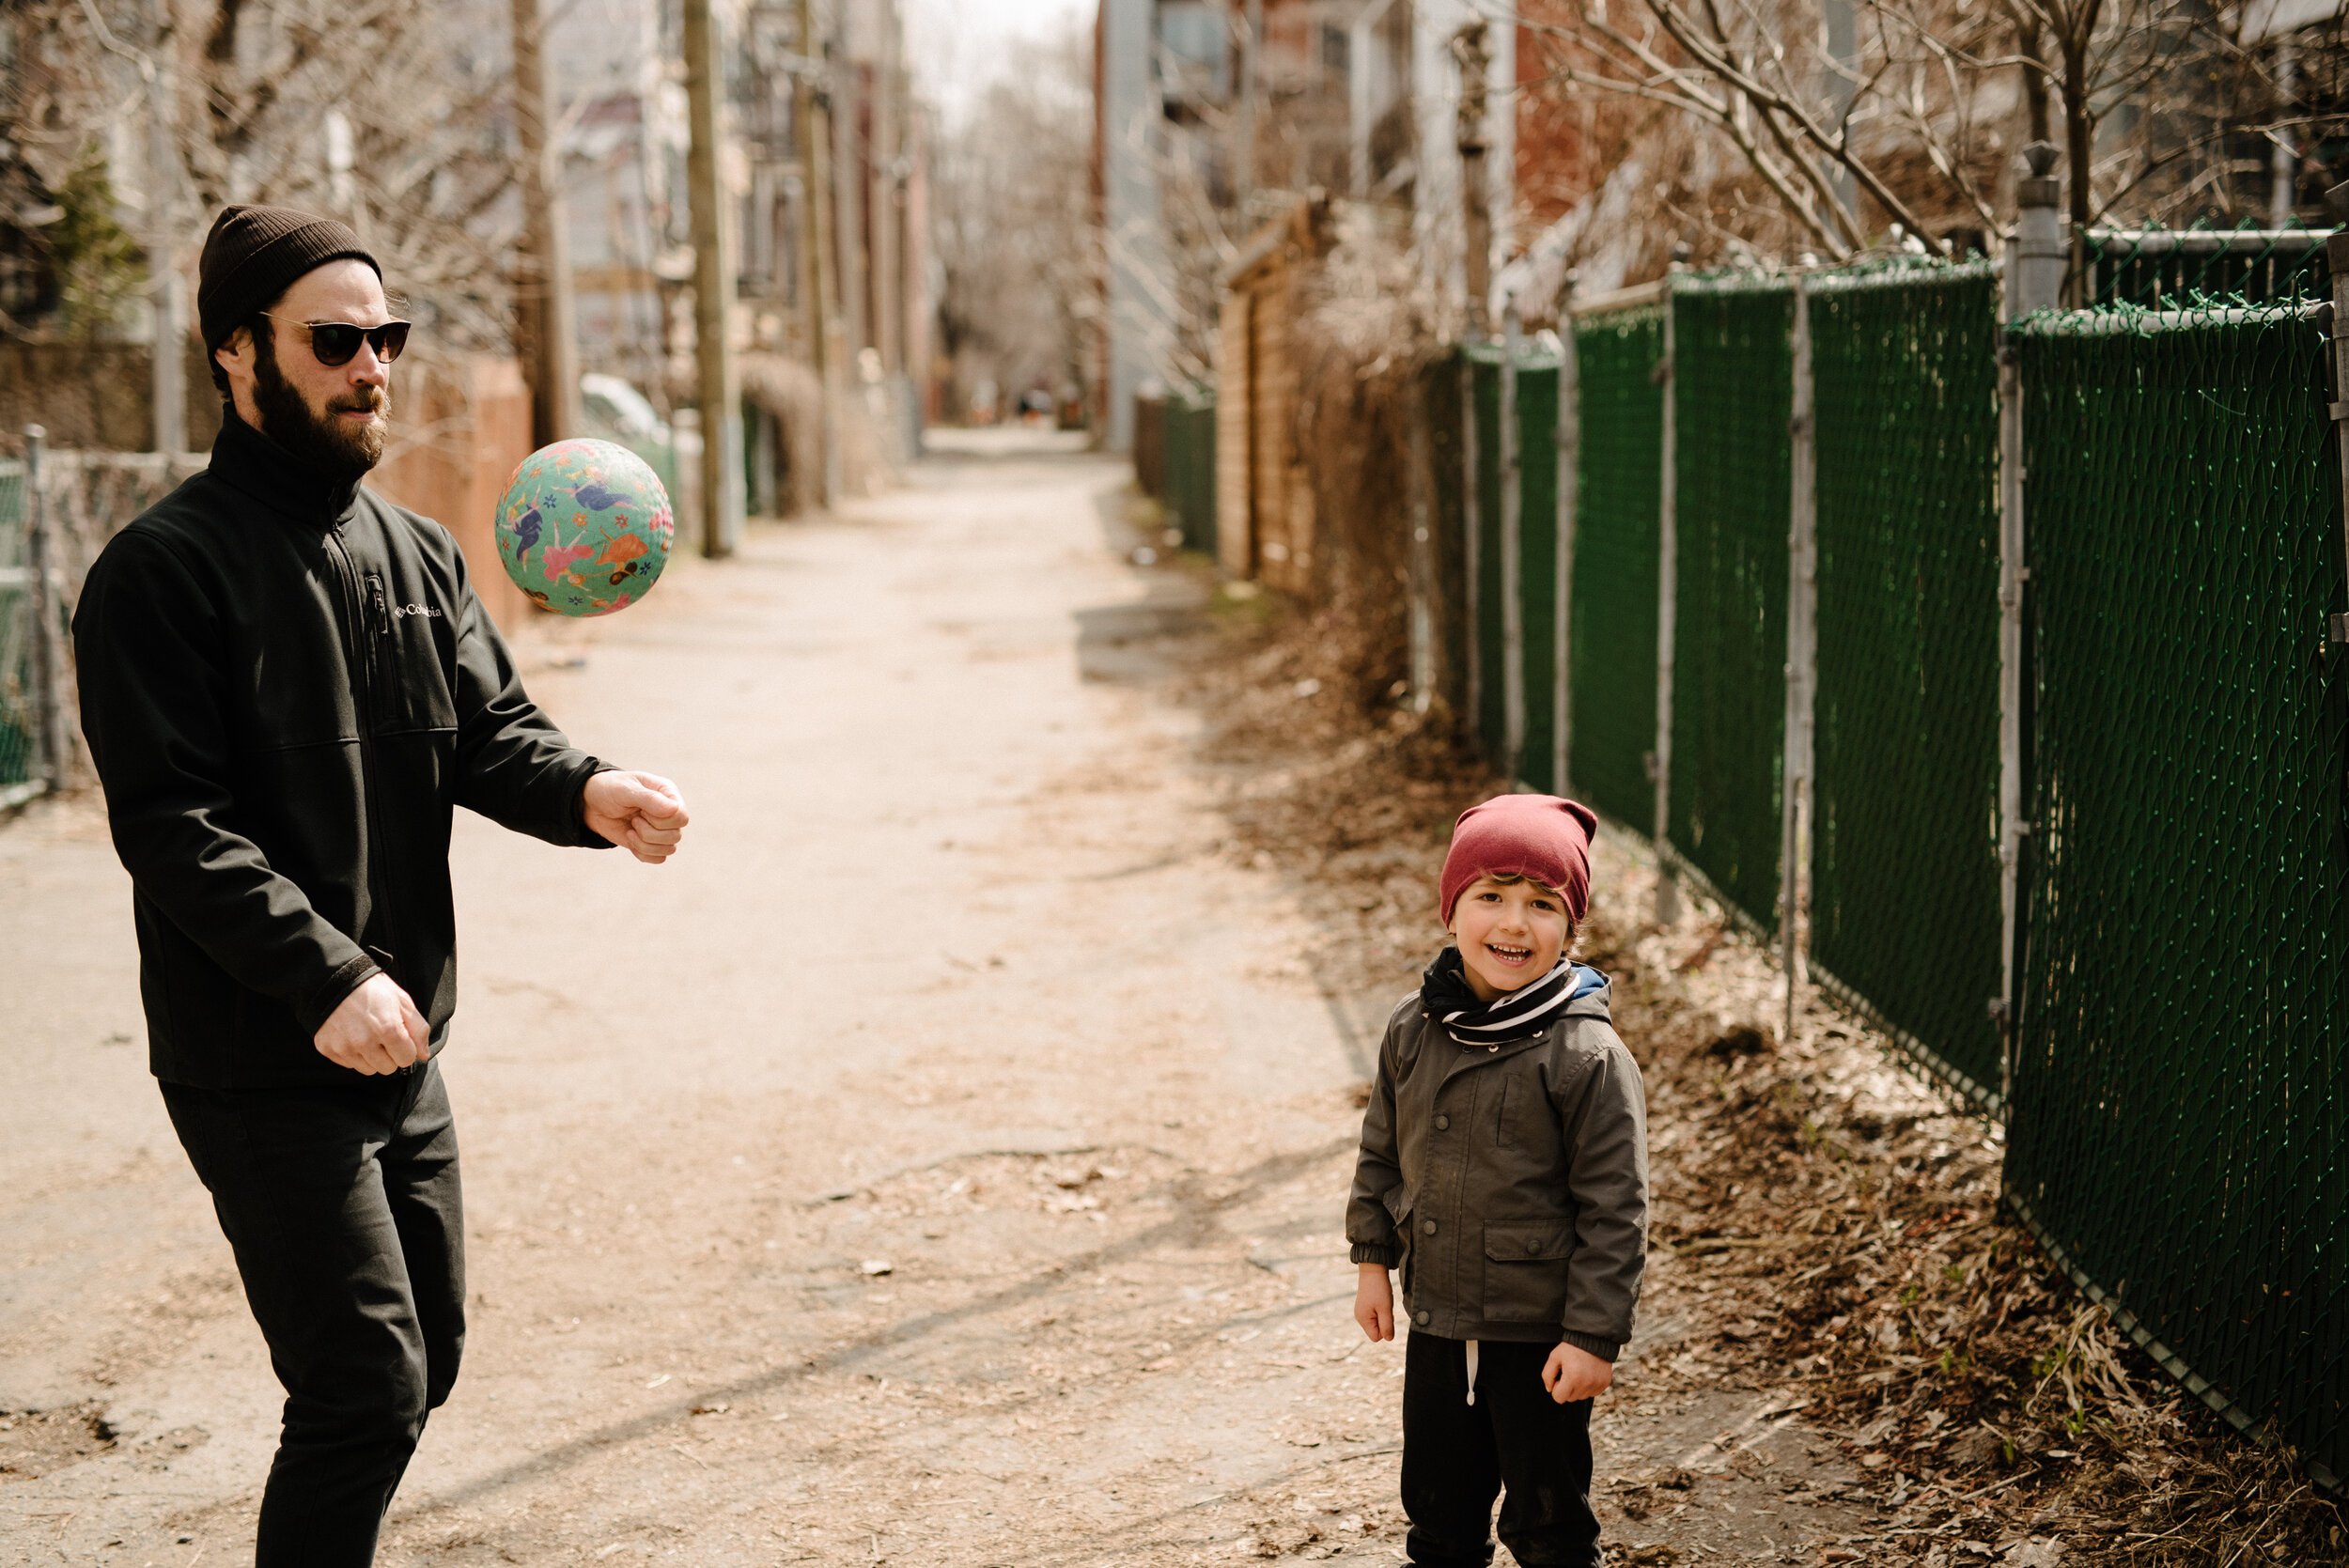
x,y
2035,264
1667,614
1423,556
1512,548
1471,526
2337,263
1802,648
1568,442
40,602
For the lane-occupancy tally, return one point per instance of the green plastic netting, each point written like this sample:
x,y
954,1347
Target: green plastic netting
x,y
1612,663
1190,468
1732,398
18,723
1905,914
2177,1138
2163,269
1537,579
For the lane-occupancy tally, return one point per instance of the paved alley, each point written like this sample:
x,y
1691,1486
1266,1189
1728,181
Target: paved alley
x,y
934,1164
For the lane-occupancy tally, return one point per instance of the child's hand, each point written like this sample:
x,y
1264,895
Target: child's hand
x,y
1374,1302
1570,1374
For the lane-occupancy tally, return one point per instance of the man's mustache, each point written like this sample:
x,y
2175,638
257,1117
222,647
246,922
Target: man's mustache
x,y
371,400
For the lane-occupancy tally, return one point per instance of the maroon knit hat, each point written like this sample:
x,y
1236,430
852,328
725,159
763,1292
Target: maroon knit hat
x,y
253,253
1540,836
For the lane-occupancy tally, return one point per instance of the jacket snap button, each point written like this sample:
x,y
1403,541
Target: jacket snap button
x,y
1428,1226
1422,1318
1442,1122
1532,1246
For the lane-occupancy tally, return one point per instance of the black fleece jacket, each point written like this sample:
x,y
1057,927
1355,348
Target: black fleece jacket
x,y
287,686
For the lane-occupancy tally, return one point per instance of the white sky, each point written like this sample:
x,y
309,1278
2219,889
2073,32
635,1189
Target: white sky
x,y
958,46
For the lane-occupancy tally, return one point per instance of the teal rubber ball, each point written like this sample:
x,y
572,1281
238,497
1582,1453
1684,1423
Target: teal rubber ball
x,y
584,527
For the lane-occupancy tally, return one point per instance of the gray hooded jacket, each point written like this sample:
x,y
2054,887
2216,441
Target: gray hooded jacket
x,y
1508,1183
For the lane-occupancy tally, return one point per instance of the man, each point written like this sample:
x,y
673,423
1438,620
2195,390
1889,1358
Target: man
x,y
287,684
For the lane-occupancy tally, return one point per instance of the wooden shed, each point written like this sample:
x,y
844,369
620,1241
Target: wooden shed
x,y
1262,487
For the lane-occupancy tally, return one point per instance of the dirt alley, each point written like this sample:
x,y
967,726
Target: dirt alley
x,y
941,1163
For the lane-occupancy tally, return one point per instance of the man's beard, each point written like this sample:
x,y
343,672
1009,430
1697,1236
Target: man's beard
x,y
322,443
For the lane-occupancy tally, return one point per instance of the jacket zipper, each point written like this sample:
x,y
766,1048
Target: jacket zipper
x,y
358,648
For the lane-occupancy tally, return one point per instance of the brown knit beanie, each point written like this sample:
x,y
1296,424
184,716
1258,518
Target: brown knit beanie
x,y
253,253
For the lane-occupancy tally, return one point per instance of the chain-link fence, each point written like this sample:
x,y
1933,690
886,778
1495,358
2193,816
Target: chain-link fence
x,y
87,498
1903,873
2164,269
2178,1129
1610,662
20,722
1732,395
1189,447
2177,1087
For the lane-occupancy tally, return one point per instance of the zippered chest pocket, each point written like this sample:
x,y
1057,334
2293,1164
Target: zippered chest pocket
x,y
410,655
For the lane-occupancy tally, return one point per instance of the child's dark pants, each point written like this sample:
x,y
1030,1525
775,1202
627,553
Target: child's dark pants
x,y
341,1205
1457,1456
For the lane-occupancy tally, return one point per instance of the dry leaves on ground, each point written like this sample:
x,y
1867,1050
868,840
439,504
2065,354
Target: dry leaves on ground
x,y
1834,1221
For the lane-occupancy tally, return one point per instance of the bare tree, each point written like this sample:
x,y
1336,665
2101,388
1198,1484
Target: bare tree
x,y
1011,223
1914,119
381,113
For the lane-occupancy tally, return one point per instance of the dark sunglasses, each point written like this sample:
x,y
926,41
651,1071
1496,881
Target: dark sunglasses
x,y
336,342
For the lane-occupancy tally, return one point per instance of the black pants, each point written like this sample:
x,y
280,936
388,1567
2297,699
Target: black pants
x,y
342,1207
1457,1456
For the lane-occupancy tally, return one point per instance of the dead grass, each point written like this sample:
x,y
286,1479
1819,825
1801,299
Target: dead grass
x,y
1834,1225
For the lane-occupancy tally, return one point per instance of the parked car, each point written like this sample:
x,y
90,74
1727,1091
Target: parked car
x,y
616,412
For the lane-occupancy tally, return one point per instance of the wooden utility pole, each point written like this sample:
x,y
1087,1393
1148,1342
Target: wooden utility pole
x,y
713,290
170,370
850,149
882,204
1244,122
1469,46
542,283
810,129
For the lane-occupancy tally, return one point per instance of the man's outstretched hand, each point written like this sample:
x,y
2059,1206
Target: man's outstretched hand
x,y
642,813
376,1030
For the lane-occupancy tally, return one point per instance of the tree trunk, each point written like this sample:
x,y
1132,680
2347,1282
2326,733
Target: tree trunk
x,y
2028,38
2079,131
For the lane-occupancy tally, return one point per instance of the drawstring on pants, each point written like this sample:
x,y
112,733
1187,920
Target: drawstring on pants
x,y
1472,1369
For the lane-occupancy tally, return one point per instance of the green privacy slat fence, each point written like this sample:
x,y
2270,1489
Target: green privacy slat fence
x,y
1732,390
18,723
2177,1138
2173,268
1610,664
1904,836
1190,468
1537,579
1492,721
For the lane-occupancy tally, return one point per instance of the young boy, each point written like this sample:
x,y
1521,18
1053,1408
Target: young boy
x,y
1504,1169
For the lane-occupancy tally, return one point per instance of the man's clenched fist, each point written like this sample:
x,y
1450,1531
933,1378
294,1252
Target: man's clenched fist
x,y
376,1030
642,813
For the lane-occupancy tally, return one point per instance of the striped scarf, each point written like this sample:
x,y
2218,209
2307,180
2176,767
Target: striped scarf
x,y
1445,996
